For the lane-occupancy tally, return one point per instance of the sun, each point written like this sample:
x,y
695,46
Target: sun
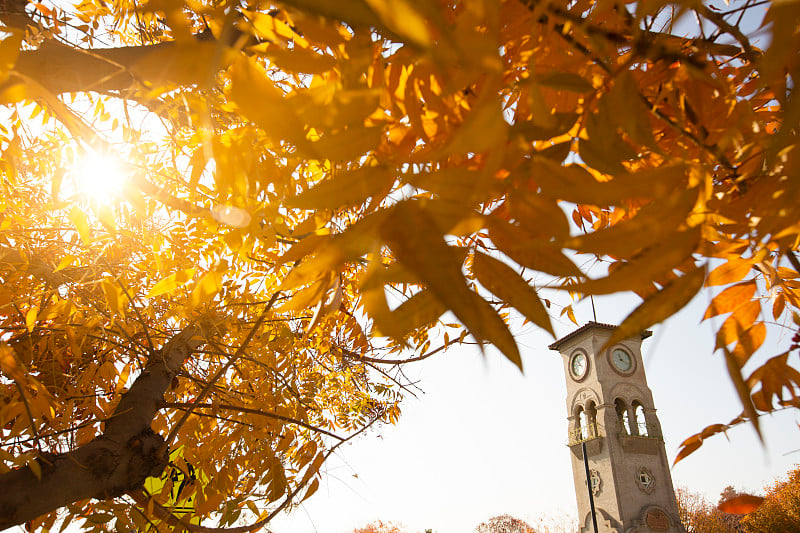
x,y
100,177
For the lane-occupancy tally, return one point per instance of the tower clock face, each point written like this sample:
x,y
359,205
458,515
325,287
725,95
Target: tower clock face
x,y
578,365
622,360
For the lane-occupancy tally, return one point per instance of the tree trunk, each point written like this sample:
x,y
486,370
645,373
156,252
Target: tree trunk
x,y
112,464
103,468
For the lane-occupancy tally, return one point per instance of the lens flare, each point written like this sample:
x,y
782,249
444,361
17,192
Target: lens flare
x,y
100,177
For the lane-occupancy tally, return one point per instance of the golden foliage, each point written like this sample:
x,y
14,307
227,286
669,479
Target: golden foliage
x,y
317,183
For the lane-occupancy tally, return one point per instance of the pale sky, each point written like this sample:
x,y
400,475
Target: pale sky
x,y
485,440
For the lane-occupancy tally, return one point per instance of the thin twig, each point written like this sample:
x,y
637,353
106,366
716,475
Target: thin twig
x,y
135,308
227,407
352,355
174,431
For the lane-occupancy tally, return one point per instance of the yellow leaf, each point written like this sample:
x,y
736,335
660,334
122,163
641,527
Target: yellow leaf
x,y
112,296
315,465
263,103
106,217
171,282
306,297
9,363
253,508
570,314
538,214
567,81
456,184
205,289
483,128
452,217
419,245
402,17
356,241
327,108
625,105
302,248
347,145
271,28
558,124
538,254
575,184
605,149
659,306
65,262
344,190
421,310
301,60
507,285
77,217
319,30
778,306
312,488
598,156
30,318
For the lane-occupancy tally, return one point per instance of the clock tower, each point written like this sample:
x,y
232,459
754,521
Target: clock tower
x,y
612,416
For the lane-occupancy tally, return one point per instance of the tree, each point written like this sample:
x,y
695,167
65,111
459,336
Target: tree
x,y
504,523
698,515
780,510
380,527
562,522
309,186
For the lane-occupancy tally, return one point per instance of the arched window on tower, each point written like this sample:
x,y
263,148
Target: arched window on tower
x,y
591,420
622,416
641,423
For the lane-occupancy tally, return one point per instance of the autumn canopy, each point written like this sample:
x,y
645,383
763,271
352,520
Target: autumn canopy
x,y
225,226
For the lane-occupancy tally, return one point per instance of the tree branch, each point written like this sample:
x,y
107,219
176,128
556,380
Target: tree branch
x,y
62,69
112,464
227,407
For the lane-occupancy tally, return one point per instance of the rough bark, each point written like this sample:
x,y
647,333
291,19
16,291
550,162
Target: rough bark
x,y
112,464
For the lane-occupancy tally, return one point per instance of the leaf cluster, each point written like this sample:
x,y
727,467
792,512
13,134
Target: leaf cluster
x,y
317,187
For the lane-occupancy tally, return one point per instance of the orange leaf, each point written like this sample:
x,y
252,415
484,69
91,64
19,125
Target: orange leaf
x,y
660,305
778,306
509,286
650,264
731,298
420,246
744,504
537,254
741,319
733,270
688,447
749,341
